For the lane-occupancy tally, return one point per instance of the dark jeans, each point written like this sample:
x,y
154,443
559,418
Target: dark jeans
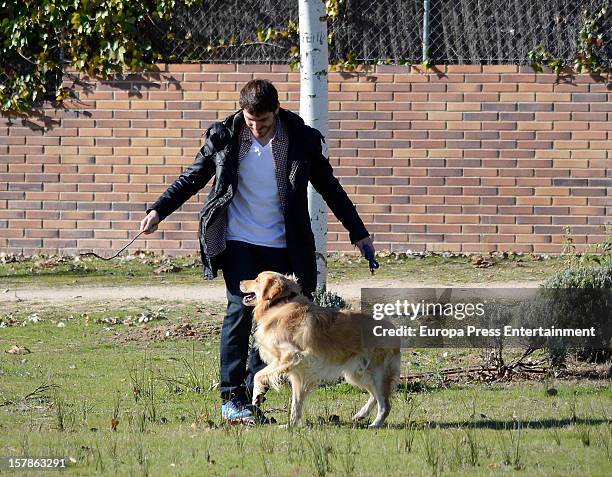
x,y
243,261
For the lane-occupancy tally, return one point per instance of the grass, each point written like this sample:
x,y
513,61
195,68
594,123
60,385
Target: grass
x,y
145,269
161,397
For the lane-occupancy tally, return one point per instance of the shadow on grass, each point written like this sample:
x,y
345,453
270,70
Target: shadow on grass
x,y
501,425
490,424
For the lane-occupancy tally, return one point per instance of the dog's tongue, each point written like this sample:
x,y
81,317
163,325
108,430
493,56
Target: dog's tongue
x,y
248,298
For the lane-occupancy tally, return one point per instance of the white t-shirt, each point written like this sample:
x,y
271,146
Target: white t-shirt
x,y
255,214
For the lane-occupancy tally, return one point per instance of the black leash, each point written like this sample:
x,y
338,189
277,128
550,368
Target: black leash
x,y
369,254
92,254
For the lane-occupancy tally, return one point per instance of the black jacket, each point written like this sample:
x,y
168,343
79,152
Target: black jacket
x,y
218,158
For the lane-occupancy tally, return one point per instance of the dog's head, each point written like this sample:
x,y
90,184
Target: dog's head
x,y
269,288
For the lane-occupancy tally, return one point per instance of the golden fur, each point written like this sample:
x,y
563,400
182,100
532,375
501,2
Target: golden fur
x,y
311,344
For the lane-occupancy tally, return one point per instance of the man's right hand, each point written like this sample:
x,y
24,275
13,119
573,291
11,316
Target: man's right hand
x,y
148,225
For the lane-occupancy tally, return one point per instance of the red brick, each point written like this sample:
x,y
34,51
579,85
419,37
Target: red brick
x,y
416,129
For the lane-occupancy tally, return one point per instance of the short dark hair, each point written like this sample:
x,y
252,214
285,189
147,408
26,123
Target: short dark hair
x,y
259,96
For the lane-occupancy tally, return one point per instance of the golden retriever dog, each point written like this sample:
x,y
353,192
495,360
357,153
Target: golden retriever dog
x,y
310,344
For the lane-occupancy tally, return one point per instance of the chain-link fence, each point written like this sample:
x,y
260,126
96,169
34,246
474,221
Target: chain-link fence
x,y
389,31
244,31
459,31
504,31
386,30
255,31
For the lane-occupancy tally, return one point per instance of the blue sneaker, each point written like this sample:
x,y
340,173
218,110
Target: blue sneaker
x,y
236,409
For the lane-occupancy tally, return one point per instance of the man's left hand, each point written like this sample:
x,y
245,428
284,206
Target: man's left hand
x,y
361,245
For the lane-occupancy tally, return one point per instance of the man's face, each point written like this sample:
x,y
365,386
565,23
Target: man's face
x,y
260,124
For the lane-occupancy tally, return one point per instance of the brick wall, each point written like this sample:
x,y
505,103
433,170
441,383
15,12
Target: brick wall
x,y
471,158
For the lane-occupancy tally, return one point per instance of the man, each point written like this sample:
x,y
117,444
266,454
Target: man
x,y
256,218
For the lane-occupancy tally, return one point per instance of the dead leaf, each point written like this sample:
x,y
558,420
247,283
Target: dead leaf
x,y
481,262
170,268
16,349
33,318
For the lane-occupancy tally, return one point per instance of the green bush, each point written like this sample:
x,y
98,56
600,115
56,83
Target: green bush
x,y
582,277
594,278
328,299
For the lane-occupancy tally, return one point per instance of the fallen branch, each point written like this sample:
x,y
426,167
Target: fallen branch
x,y
38,393
487,372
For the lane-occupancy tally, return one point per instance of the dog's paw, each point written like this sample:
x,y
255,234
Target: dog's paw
x,y
258,399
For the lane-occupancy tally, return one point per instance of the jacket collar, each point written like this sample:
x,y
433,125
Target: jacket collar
x,y
288,171
233,123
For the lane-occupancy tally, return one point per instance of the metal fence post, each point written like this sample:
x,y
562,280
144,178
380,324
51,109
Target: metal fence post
x,y
425,54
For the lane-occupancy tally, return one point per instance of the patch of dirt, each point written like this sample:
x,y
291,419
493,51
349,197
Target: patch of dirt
x,y
349,290
179,331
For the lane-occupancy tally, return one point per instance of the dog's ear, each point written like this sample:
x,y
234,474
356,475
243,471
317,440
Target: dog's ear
x,y
272,289
294,283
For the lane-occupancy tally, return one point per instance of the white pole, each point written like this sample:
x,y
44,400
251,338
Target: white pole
x,y
313,109
425,54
